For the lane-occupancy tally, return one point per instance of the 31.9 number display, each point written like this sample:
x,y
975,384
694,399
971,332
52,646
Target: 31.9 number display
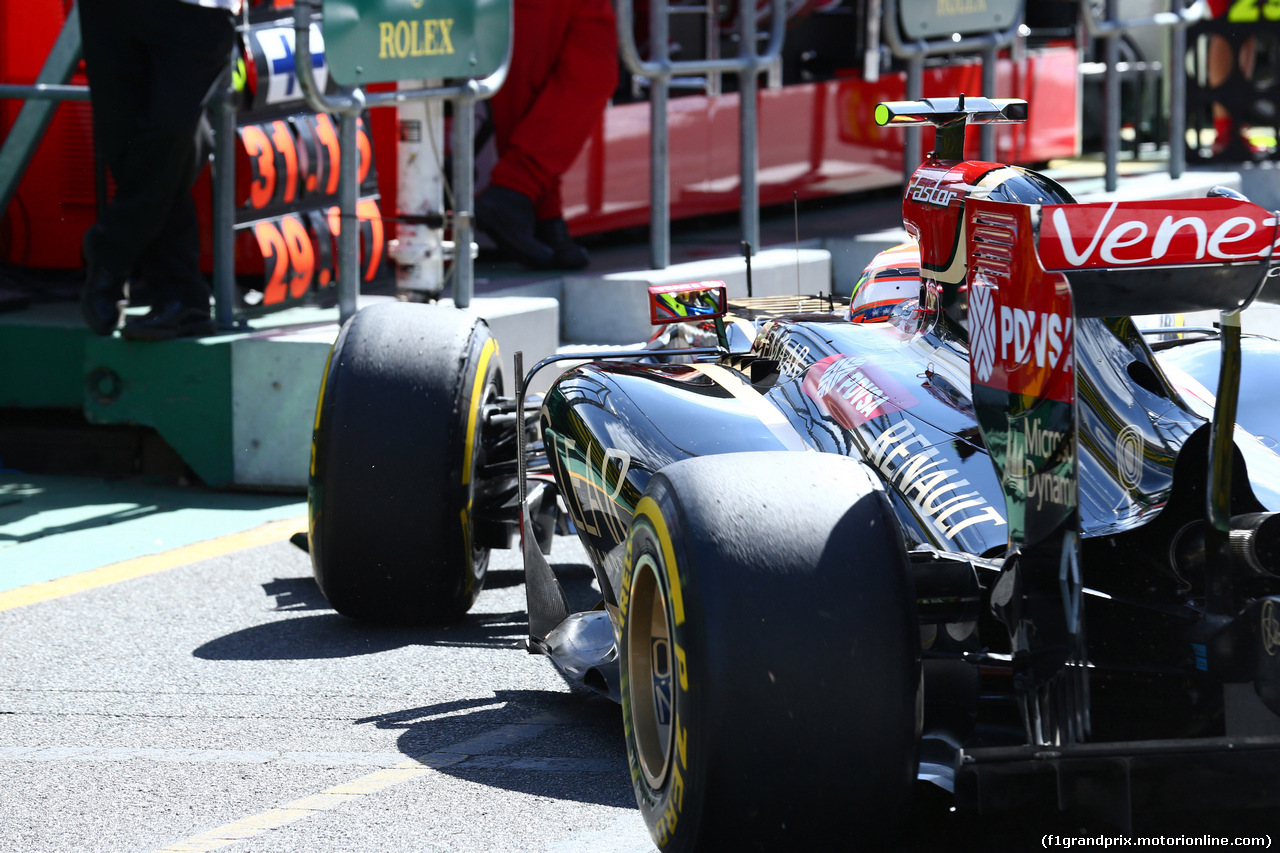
x,y
287,183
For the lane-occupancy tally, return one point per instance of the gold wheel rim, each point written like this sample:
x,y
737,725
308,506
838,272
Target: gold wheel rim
x,y
650,667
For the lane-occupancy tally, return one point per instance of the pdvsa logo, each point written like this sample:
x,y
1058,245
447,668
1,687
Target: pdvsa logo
x,y
853,391
1034,337
1019,349
1015,336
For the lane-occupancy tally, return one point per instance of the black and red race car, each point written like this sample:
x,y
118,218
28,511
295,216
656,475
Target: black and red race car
x,y
981,536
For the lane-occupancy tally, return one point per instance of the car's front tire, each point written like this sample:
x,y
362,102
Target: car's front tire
x,y
396,454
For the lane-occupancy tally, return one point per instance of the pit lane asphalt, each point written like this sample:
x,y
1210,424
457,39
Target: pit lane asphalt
x,y
221,702
207,697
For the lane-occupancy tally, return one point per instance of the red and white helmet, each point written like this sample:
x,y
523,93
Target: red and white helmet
x,y
892,277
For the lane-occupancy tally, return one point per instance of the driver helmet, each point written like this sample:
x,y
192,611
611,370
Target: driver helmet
x,y
891,278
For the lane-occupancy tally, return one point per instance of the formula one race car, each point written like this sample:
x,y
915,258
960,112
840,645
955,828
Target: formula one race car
x,y
981,537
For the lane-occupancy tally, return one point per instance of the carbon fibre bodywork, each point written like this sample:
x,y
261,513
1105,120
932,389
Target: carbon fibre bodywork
x,y
1045,468
898,399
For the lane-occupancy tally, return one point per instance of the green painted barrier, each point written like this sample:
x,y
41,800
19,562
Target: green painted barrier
x,y
375,41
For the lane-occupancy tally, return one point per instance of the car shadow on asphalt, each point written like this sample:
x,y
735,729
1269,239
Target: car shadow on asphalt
x,y
321,633
565,746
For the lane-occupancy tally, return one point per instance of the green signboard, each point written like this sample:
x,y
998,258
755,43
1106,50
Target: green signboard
x,y
934,19
375,41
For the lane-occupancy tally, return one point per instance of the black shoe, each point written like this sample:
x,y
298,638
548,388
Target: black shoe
x,y
507,216
103,290
566,254
168,321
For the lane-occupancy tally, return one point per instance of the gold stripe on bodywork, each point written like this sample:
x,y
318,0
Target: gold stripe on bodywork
x,y
761,409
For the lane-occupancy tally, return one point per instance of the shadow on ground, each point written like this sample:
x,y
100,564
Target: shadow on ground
x,y
562,746
322,633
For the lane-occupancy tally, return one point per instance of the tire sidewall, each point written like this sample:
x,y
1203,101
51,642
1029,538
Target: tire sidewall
x,y
481,377
670,809
798,716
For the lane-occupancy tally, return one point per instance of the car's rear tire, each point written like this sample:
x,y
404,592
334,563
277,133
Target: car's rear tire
x,y
395,457
770,656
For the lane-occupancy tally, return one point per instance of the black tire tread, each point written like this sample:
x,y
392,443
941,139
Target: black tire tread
x,y
803,652
387,543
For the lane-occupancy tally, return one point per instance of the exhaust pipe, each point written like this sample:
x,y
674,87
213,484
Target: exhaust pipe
x,y
1253,540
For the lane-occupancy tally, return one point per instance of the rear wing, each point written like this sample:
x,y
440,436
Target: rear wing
x,y
950,116
1156,257
1033,272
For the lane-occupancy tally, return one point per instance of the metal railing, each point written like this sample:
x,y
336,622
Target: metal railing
x,y
42,99
660,69
1177,20
349,103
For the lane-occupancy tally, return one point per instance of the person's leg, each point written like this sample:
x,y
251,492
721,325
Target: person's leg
x,y
188,47
170,263
504,210
575,53
117,69
564,68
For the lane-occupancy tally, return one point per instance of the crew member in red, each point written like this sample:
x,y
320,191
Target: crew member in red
x,y
564,68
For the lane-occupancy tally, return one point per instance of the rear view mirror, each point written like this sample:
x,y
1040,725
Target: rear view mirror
x,y
685,303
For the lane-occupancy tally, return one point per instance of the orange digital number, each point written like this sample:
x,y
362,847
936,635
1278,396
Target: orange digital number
x,y
365,149
263,188
319,222
335,228
371,232
275,256
335,221
283,139
329,139
302,256
304,132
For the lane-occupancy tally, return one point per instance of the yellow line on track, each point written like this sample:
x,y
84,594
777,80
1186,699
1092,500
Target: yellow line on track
x,y
332,798
141,566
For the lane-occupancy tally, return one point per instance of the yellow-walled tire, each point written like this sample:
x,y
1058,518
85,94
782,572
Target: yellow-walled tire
x,y
395,458
770,656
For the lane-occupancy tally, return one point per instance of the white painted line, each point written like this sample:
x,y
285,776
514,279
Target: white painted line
x,y
371,783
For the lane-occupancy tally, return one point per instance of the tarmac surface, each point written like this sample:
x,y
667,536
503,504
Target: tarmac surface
x,y
211,699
